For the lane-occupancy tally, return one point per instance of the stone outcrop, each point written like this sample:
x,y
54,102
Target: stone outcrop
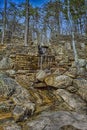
x,y
61,81
58,120
19,96
73,100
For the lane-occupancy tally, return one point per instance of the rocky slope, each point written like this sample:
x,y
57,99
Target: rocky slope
x,y
54,98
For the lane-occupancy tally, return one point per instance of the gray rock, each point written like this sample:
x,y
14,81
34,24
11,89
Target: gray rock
x,y
19,113
73,100
10,88
20,97
23,111
81,62
58,120
6,63
61,81
30,108
81,84
81,71
10,72
72,72
6,106
7,86
12,127
41,75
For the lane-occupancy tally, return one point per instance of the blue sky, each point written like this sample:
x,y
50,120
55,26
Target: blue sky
x,y
37,2
33,2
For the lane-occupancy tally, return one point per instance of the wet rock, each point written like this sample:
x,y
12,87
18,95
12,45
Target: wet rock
x,y
23,111
61,81
72,100
6,63
57,121
81,84
12,127
41,75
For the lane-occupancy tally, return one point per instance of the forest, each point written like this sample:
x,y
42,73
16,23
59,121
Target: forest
x,y
54,17
43,65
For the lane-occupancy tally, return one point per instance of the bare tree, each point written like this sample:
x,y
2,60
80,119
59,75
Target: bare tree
x,y
72,34
4,21
26,23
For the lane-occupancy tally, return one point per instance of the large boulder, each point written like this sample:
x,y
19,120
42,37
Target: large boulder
x,y
6,63
81,84
41,75
19,96
7,86
73,100
61,81
58,120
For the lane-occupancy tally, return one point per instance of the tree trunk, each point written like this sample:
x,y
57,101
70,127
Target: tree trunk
x,y
72,34
4,21
86,16
26,24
